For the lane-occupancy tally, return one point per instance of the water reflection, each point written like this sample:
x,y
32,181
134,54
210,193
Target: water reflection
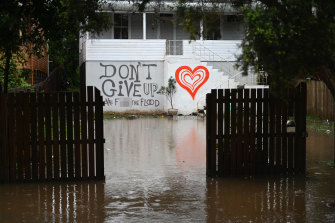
x,y
260,200
155,172
52,202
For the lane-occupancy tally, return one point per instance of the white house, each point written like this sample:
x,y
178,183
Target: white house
x,y
130,62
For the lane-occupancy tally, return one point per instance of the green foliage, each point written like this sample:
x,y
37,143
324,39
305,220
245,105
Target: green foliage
x,y
169,90
34,23
18,77
290,40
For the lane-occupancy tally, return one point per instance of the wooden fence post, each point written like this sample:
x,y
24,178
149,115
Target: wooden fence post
x,y
99,135
227,135
211,134
220,133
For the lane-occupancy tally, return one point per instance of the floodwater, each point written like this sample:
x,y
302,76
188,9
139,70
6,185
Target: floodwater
x,y
155,172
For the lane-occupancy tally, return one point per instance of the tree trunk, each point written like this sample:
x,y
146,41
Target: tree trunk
x,y
8,56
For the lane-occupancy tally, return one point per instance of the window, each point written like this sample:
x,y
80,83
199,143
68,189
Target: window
x,y
121,26
234,18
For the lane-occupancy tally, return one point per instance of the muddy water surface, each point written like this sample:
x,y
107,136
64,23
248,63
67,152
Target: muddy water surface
x,y
155,172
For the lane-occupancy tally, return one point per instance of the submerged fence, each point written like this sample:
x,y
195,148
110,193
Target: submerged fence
x,y
248,132
51,136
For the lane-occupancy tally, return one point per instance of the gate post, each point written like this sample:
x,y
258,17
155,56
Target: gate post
x,y
211,114
99,131
300,135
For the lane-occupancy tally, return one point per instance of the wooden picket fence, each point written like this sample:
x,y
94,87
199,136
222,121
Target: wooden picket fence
x,y
247,132
51,136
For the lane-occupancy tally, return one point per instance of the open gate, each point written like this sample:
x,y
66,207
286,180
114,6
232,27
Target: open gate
x,y
250,131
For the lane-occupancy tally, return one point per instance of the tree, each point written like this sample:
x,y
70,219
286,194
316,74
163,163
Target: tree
x,y
27,26
169,90
290,40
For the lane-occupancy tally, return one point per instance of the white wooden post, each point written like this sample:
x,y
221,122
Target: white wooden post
x,y
144,26
201,29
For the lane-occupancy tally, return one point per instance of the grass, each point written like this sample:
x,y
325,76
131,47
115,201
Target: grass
x,y
319,125
136,114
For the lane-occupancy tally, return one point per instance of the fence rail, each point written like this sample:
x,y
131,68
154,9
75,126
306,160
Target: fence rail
x,y
247,132
51,136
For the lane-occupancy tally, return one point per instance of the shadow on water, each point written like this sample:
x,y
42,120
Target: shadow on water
x,y
155,172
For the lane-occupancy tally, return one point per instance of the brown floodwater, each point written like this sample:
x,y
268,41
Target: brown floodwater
x,y
155,172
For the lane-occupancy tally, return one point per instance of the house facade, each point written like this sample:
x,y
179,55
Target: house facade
x,y
131,61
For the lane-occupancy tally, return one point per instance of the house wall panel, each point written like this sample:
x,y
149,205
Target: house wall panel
x,y
127,85
125,50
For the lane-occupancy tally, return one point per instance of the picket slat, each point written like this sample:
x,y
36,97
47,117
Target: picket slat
x,y
259,126
266,127
48,136
33,136
62,134
90,121
41,149
252,130
11,138
239,138
272,133
26,137
76,127
69,133
246,128
84,141
55,135
220,132
227,146
233,131
5,166
19,136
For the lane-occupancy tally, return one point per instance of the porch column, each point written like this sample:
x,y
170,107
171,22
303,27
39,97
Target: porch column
x,y
221,26
144,26
201,29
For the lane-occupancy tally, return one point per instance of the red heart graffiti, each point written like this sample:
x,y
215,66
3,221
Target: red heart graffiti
x,y
190,80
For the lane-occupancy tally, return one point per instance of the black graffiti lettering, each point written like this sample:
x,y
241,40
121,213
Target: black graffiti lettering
x,y
149,102
104,88
146,89
149,65
134,71
120,89
136,90
127,71
128,88
150,88
108,102
106,70
137,102
116,101
154,88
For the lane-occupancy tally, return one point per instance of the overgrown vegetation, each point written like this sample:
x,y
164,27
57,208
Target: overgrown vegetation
x,y
169,90
19,75
27,27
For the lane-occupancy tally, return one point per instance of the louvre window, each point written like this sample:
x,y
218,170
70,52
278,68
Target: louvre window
x,y
121,26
